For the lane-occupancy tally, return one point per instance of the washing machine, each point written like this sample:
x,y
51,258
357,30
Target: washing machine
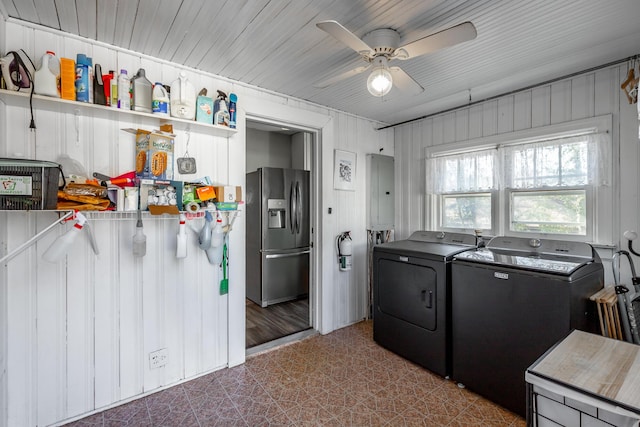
x,y
411,286
513,300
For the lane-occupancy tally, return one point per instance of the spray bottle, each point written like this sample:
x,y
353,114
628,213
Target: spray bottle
x,y
62,244
220,111
204,237
139,239
181,249
233,99
217,242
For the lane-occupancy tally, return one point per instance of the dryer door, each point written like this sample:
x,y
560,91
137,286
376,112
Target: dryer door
x,y
408,292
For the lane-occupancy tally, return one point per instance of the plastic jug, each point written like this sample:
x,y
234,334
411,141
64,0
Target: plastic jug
x,y
183,98
47,77
141,89
160,102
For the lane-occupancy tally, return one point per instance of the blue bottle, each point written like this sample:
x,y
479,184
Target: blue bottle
x,y
84,78
233,99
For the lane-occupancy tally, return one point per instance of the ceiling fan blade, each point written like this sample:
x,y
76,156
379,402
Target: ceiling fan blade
x,y
340,33
445,38
335,79
404,81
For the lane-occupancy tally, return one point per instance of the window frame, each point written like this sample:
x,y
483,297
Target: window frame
x,y
600,199
507,209
439,212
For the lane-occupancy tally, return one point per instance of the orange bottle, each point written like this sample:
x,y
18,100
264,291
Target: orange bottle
x,y
67,79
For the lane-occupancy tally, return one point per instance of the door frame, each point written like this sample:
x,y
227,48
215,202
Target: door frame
x,y
321,126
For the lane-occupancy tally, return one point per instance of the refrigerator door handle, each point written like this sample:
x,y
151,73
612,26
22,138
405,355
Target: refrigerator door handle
x,y
272,256
298,207
292,209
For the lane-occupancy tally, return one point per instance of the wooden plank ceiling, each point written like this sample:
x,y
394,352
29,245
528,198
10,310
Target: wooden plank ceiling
x,y
274,44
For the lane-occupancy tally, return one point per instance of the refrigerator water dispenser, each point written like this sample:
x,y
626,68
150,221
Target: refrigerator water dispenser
x,y
276,213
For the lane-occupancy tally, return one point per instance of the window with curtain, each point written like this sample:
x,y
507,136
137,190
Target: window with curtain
x,y
545,187
465,183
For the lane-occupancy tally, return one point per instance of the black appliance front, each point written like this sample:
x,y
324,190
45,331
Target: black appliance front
x,y
503,319
410,309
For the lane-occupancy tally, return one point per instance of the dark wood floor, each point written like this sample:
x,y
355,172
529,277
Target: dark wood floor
x,y
275,321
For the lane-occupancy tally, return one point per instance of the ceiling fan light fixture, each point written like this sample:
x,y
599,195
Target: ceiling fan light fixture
x,y
380,81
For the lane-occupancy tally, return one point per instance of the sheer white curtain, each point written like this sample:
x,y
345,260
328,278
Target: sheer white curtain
x,y
564,162
466,172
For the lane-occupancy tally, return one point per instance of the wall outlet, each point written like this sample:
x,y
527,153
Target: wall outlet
x,y
158,358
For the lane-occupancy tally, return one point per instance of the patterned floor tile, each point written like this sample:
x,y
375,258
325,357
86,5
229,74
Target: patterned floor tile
x,y
340,379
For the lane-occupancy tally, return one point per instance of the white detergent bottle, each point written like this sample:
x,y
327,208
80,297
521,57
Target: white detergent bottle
x,y
160,103
47,78
183,98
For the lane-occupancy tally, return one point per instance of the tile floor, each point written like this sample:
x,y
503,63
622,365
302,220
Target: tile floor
x,y
340,379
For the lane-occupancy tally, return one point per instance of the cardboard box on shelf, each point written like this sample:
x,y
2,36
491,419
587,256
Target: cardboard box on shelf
x,y
204,109
160,197
154,154
228,193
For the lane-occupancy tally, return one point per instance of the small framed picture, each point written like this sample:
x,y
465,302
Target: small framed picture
x,y
344,170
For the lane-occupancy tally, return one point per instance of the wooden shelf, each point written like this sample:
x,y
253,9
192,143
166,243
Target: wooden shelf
x,y
62,105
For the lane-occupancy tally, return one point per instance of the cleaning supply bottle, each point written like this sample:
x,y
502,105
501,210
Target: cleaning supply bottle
x,y
113,93
233,99
62,244
141,89
160,102
183,98
84,79
217,242
220,111
124,101
139,239
181,247
204,237
47,77
107,80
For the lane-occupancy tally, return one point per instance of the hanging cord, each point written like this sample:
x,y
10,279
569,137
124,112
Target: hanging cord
x,y
186,151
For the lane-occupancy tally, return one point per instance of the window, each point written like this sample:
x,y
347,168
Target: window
x,y
546,187
465,183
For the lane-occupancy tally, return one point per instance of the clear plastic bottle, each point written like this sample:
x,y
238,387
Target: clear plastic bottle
x,y
62,244
124,100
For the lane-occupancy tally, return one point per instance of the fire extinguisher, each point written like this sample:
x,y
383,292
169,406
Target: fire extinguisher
x,y
344,251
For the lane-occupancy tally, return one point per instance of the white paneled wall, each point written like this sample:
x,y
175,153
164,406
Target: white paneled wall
x,y
581,97
76,335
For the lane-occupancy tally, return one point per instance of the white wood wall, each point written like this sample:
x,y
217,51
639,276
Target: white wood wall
x,y
75,336
584,96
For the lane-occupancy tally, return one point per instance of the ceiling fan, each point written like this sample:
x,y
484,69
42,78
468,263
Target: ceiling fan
x,y
379,47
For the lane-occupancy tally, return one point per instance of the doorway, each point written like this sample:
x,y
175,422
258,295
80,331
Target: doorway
x,y
277,147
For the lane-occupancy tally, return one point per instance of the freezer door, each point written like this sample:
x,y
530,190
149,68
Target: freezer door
x,y
302,210
285,276
277,219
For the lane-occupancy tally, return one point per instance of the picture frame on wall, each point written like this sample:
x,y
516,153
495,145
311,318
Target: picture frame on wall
x,y
344,170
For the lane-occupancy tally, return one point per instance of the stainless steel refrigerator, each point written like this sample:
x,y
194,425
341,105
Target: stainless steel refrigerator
x,y
278,235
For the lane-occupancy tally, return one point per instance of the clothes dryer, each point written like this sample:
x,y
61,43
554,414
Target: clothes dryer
x,y
411,288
